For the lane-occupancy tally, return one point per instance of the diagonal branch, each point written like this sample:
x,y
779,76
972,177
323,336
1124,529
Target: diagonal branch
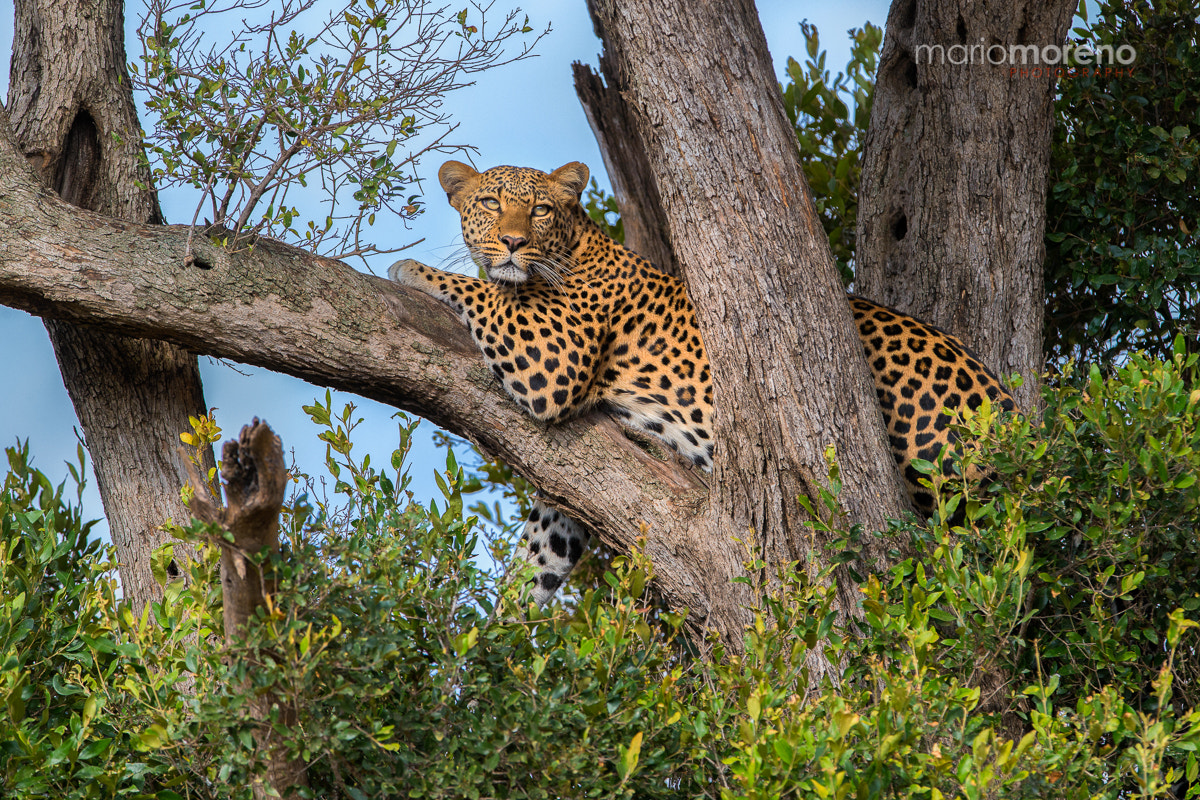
x,y
293,312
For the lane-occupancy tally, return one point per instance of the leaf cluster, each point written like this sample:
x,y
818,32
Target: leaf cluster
x,y
347,100
1091,544
1122,254
1108,493
68,676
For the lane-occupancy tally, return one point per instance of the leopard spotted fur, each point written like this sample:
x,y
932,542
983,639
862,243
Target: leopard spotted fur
x,y
569,319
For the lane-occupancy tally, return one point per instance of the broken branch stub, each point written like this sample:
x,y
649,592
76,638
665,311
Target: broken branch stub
x,y
254,476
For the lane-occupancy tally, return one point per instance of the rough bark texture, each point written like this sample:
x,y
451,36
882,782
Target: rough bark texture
x,y
698,81
647,231
73,117
255,478
952,207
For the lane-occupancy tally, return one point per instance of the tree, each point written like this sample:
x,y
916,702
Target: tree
x,y
1121,266
901,719
773,420
951,219
693,539
73,116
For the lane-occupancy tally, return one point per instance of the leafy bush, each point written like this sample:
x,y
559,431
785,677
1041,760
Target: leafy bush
x,y
70,726
1106,489
248,110
1041,651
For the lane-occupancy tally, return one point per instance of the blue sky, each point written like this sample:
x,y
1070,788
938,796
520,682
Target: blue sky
x,y
524,114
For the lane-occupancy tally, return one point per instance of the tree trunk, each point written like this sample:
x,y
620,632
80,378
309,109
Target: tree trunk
x,y
952,207
701,92
74,118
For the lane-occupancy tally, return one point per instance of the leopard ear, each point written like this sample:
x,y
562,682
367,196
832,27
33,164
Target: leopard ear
x,y
454,177
573,176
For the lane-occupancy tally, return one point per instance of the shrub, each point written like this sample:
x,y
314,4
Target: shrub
x,y
1040,650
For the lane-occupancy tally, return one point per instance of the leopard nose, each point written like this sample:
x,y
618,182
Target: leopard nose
x,y
513,242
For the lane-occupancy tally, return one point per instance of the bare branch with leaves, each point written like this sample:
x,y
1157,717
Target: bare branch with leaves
x,y
349,99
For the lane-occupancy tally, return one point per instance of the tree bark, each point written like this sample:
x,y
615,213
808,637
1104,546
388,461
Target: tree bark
x,y
634,184
74,118
952,207
701,92
255,480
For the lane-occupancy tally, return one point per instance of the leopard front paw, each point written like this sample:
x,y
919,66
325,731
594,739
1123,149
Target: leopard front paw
x,y
408,272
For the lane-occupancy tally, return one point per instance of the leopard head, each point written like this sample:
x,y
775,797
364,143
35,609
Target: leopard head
x,y
518,222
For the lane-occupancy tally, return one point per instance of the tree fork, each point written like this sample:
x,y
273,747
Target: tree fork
x,y
74,118
624,154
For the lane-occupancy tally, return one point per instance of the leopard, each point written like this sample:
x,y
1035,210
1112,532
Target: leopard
x,y
569,319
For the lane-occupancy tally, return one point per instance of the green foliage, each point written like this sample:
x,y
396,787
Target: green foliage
x,y
1106,489
66,729
1041,652
336,102
1122,255
831,115
602,208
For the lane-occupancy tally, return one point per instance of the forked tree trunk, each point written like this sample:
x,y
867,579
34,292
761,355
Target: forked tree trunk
x,y
73,116
788,370
951,211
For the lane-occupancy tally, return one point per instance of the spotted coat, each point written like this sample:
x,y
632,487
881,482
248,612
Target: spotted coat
x,y
569,318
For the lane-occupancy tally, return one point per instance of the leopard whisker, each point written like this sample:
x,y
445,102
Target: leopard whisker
x,y
465,261
556,270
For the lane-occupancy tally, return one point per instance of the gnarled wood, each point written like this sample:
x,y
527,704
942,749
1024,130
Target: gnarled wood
x,y
255,479
74,119
633,182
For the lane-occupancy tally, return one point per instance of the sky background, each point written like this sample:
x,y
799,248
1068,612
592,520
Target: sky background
x,y
525,114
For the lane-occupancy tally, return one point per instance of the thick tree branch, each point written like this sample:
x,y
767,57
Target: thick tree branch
x,y
255,480
955,234
317,319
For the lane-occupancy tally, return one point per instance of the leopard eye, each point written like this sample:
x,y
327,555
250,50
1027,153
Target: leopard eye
x,y
541,211
490,203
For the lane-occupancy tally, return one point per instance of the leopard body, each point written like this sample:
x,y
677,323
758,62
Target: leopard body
x,y
570,319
